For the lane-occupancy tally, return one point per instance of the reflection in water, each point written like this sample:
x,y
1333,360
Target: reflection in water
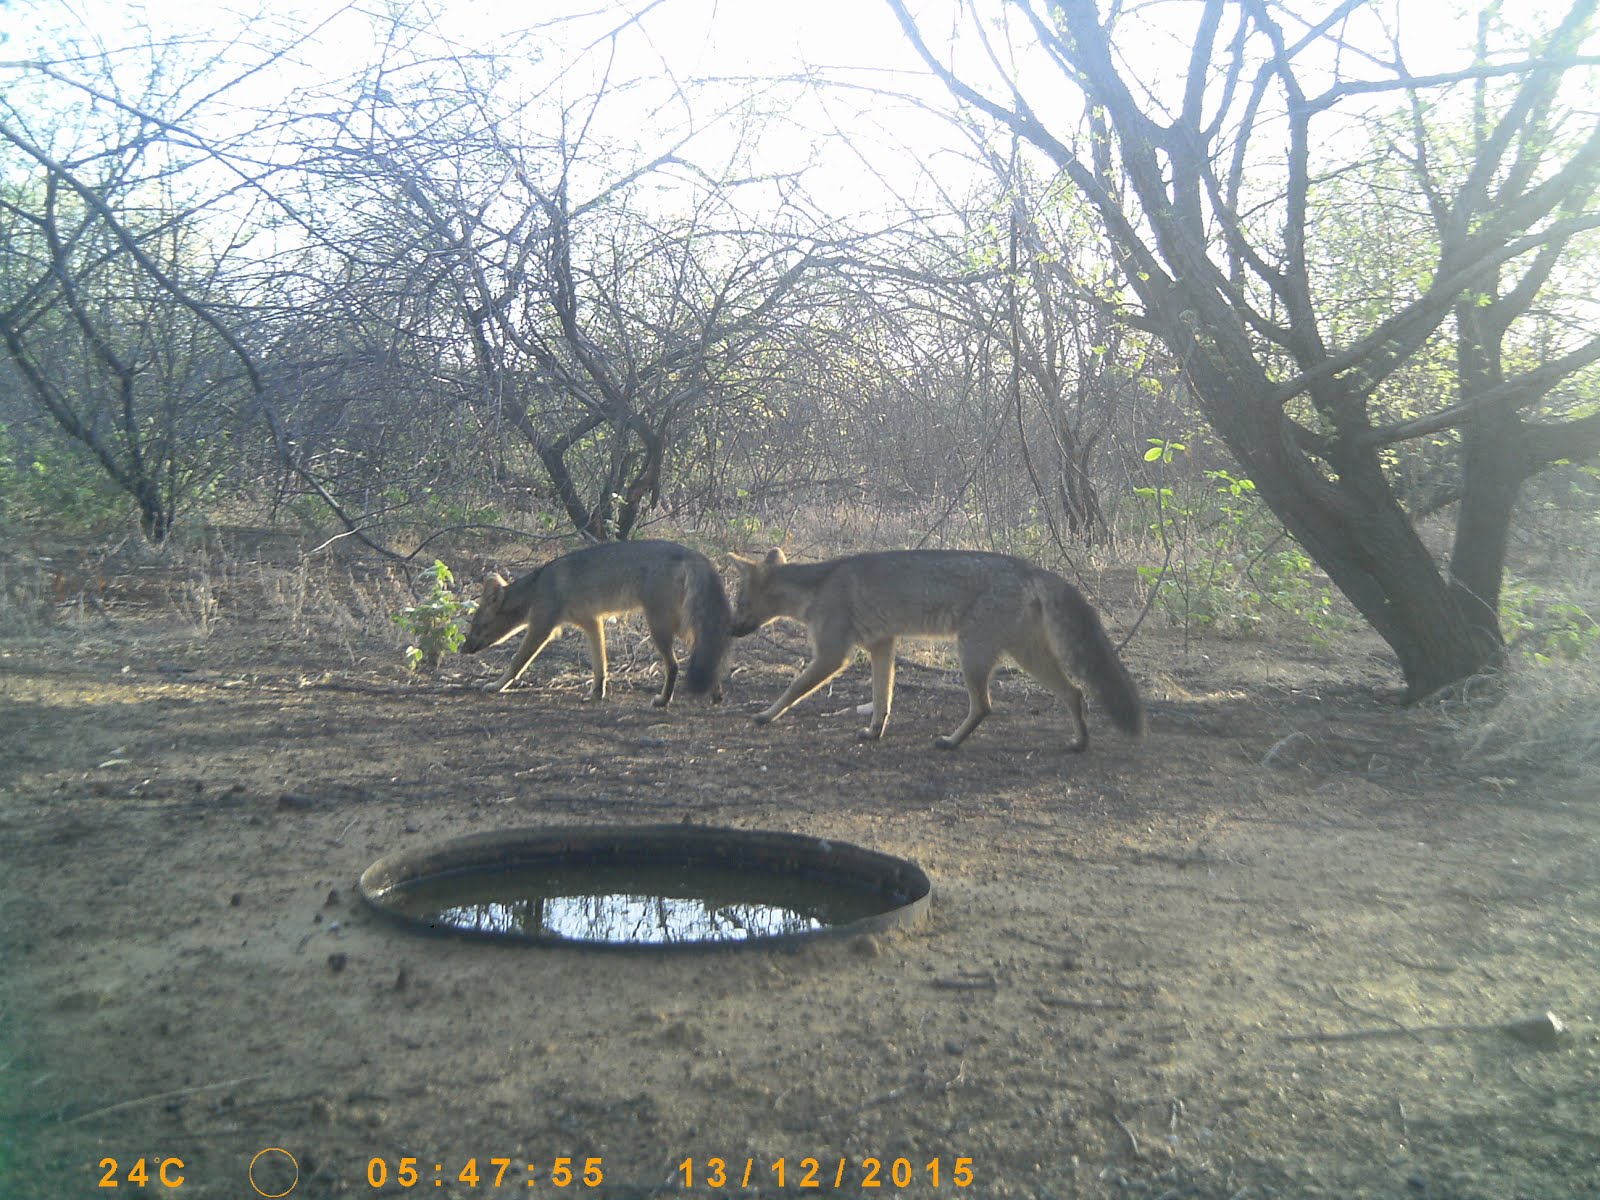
x,y
647,905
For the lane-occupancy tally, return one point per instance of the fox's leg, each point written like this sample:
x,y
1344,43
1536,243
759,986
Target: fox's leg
x,y
826,662
540,631
594,629
978,659
1034,656
661,636
882,655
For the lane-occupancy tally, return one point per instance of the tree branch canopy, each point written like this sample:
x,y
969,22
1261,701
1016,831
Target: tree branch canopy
x,y
1237,209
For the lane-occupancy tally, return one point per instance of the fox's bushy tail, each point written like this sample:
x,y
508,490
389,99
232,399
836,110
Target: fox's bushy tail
x,y
711,618
1081,643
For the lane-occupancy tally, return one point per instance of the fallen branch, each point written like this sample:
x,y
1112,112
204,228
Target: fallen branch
x,y
138,1100
1544,1031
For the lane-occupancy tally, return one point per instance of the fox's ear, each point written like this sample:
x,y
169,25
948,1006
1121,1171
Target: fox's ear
x,y
496,582
775,557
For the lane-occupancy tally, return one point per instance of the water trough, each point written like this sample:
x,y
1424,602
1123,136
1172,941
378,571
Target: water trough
x,y
646,887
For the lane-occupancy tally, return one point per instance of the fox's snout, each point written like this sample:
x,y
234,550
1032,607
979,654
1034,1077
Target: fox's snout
x,y
751,609
478,637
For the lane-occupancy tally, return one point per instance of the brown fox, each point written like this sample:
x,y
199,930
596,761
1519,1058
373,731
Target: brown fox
x,y
992,604
678,589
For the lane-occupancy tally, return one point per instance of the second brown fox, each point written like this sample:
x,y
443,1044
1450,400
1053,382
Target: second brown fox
x,y
991,604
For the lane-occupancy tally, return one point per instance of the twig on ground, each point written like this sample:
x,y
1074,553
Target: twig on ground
x,y
159,1096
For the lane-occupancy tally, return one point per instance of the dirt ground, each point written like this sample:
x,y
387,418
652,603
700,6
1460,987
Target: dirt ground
x,y
1211,965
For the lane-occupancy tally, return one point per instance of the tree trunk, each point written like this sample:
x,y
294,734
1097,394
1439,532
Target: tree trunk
x,y
1075,489
1494,453
1349,522
155,521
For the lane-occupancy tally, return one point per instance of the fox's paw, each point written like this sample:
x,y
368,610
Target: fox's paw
x,y
869,734
945,742
765,718
497,685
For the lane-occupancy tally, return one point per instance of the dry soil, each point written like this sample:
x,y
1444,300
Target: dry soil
x,y
1228,962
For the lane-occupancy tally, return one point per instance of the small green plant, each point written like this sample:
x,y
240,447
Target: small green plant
x,y
48,479
440,510
1546,627
434,622
1227,565
745,527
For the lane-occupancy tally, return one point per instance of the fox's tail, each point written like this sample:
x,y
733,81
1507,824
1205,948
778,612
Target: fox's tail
x,y
711,618
1081,643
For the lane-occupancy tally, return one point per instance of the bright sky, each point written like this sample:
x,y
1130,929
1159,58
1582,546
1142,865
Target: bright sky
x,y
855,42
891,146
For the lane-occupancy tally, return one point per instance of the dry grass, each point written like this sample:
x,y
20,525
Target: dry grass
x,y
188,591
1541,714
1545,721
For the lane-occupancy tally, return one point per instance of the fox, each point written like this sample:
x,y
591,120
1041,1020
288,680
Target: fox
x,y
991,604
678,590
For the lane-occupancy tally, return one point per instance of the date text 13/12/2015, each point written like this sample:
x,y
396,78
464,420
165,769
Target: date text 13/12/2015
x,y
834,1173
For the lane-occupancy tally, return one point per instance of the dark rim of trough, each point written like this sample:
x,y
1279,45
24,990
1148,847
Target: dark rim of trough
x,y
707,845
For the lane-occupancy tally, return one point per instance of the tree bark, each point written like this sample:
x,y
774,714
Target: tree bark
x,y
1348,520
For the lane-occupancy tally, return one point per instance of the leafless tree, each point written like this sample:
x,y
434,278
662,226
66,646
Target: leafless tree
x,y
594,329
121,286
1211,194
1003,375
